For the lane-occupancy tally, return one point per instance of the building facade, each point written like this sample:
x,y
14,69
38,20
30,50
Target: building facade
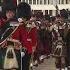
x,y
46,6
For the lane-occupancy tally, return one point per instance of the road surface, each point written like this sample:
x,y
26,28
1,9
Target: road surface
x,y
49,64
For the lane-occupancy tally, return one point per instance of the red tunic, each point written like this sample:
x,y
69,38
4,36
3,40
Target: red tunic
x,y
28,39
2,22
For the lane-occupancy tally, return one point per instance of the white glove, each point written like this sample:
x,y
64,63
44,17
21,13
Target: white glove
x,y
22,54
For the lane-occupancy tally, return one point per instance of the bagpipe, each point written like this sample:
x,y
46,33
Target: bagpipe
x,y
7,30
59,44
10,58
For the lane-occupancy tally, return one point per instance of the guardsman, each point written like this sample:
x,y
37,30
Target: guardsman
x,y
60,46
26,34
67,40
9,14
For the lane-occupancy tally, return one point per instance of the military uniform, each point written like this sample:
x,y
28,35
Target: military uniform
x,y
5,28
60,50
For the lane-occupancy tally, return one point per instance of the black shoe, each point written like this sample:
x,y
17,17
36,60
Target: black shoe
x,y
36,65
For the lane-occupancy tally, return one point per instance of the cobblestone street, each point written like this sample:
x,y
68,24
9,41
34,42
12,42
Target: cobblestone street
x,y
49,64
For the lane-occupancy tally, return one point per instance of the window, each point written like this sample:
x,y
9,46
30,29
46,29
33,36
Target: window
x,y
36,11
37,1
46,12
1,2
62,1
26,1
66,1
59,1
30,1
51,1
48,1
50,12
44,1
23,0
41,1
34,1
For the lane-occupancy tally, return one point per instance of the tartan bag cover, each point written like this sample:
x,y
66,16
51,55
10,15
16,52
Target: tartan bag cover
x,y
11,61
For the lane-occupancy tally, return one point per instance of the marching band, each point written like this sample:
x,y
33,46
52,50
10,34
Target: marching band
x,y
27,39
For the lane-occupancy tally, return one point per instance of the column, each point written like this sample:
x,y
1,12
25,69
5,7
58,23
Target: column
x,y
33,11
32,2
47,2
54,13
43,12
58,11
28,1
64,1
21,0
43,2
39,2
48,12
68,1
25,0
60,1
54,2
17,2
36,2
50,1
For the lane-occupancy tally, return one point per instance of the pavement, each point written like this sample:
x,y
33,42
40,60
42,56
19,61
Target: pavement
x,y
48,64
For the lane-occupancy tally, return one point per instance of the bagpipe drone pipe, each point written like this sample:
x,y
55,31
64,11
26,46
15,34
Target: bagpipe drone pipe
x,y
7,30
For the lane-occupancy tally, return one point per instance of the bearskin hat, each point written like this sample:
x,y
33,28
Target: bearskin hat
x,y
8,6
24,10
53,18
47,17
64,14
10,1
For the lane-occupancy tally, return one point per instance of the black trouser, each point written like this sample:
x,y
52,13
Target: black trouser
x,y
3,54
60,63
26,61
18,56
68,55
1,58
